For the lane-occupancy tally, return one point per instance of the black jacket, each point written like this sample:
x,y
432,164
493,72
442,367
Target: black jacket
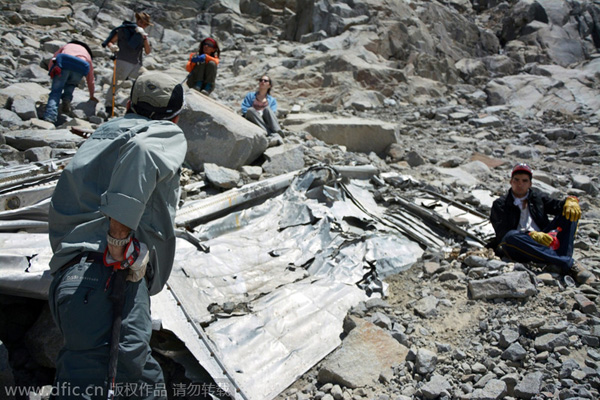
x,y
505,215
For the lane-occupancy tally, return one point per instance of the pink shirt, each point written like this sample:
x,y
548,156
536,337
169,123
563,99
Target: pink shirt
x,y
76,50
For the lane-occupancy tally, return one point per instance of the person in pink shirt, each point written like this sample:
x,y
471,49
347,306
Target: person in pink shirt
x,y
69,65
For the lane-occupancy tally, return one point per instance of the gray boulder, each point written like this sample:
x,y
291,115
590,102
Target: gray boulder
x,y
436,386
24,107
529,386
357,134
215,134
365,353
222,177
282,159
511,285
28,138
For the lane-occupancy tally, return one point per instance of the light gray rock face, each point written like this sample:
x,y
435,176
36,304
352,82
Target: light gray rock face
x,y
436,386
38,153
550,341
427,306
557,11
356,134
426,361
282,159
365,353
510,285
37,92
24,107
495,389
562,48
215,134
9,118
28,138
584,183
222,177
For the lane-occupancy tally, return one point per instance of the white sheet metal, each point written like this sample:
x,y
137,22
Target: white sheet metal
x,y
258,258
24,260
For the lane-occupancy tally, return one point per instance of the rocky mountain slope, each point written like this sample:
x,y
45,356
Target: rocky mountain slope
x,y
481,80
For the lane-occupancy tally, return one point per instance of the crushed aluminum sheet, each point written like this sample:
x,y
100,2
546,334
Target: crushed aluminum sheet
x,y
24,264
295,270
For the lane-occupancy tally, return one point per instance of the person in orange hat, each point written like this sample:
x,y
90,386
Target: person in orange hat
x,y
127,42
202,66
524,233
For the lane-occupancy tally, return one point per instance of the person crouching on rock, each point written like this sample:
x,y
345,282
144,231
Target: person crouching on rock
x,y
68,66
524,232
202,66
260,107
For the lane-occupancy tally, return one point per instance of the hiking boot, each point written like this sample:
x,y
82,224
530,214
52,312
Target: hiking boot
x,y
208,88
66,107
198,86
581,274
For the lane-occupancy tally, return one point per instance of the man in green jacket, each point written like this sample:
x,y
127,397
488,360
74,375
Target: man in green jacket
x,y
114,207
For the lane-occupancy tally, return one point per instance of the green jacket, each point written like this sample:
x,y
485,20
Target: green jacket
x,y
127,170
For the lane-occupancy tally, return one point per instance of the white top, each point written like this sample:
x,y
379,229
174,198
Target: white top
x,y
526,223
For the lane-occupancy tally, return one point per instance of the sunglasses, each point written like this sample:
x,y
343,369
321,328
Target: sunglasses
x,y
208,44
264,80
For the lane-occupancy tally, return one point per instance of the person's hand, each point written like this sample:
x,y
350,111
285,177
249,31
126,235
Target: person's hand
x,y
113,47
55,71
571,209
541,237
199,58
141,31
137,270
94,99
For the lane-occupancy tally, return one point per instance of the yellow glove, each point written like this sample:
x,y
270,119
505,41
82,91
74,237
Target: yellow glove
x,y
571,209
541,237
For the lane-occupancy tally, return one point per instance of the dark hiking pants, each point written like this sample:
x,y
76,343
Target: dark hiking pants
x,y
520,247
83,311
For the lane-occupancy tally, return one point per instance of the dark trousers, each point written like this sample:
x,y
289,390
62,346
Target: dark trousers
x,y
520,247
83,311
203,74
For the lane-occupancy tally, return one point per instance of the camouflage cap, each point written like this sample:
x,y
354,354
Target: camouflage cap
x,y
157,95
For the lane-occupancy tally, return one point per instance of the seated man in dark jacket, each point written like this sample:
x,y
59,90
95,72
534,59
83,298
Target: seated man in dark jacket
x,y
524,232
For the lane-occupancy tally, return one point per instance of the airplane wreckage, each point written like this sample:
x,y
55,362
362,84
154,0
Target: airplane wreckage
x,y
264,274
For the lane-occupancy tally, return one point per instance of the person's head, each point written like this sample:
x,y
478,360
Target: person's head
x,y
142,19
209,46
85,46
156,95
264,82
520,179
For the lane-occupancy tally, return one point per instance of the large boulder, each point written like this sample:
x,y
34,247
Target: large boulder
x,y
34,90
215,134
57,138
357,134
